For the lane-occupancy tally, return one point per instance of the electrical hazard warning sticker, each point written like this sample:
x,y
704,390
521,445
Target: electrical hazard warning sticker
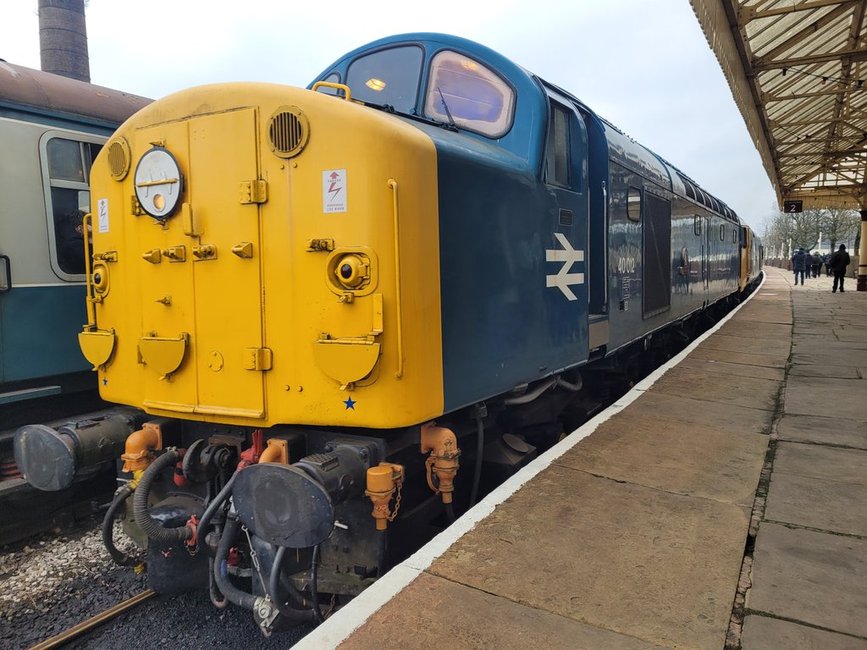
x,y
102,215
334,190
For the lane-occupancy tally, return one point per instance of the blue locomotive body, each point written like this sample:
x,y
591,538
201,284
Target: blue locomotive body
x,y
561,239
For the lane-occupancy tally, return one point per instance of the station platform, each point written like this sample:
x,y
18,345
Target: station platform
x,y
721,503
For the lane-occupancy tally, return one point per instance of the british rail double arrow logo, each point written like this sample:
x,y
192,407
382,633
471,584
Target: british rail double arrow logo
x,y
563,279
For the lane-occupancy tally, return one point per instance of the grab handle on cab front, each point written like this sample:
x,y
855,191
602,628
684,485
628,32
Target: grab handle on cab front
x,y
347,94
6,279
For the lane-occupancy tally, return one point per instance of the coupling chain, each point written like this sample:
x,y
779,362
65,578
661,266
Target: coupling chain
x,y
254,558
393,515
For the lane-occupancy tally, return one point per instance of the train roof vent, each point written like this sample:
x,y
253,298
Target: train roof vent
x,y
690,188
716,204
118,158
288,131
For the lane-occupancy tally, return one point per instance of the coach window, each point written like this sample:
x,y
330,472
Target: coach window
x,y
66,172
722,232
734,235
633,204
696,225
464,92
387,77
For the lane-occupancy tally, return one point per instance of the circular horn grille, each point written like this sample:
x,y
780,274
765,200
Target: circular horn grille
x,y
288,131
118,159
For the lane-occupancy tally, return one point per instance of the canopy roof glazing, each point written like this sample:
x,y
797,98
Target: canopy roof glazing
x,y
798,73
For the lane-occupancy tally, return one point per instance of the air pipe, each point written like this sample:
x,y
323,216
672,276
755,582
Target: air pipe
x,y
148,524
221,574
108,526
300,613
213,507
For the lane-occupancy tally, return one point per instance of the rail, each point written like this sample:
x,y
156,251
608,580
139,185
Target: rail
x,y
85,626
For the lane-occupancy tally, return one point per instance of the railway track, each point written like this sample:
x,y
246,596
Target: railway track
x,y
61,639
86,582
55,582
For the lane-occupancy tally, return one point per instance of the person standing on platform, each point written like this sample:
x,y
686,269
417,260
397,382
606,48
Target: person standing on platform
x,y
816,264
799,265
838,263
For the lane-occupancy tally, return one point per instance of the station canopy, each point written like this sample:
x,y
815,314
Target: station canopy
x,y
798,73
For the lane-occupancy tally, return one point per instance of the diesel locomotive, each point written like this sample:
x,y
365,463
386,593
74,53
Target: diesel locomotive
x,y
346,311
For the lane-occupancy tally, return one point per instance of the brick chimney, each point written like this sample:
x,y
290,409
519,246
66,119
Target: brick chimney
x,y
63,38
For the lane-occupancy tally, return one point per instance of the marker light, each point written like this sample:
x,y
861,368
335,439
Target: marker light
x,y
99,278
351,271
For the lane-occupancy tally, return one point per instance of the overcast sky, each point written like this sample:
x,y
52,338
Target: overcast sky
x,y
643,65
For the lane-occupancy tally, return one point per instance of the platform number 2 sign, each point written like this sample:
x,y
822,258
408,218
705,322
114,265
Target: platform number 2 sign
x,y
793,207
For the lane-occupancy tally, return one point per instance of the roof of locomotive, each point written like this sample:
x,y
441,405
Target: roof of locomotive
x,y
532,110
39,92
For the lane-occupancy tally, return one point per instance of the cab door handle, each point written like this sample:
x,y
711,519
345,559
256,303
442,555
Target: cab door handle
x,y
7,263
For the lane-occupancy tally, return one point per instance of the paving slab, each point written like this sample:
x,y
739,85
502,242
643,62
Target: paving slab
x,y
813,577
823,430
432,613
851,333
642,562
666,442
828,353
766,311
827,397
745,328
833,506
736,369
745,392
817,370
774,347
756,359
761,633
820,461
818,332
812,345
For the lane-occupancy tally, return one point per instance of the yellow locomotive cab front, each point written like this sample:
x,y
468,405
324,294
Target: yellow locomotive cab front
x,y
256,261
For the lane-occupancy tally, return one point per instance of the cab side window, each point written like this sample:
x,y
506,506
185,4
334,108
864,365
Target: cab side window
x,y
558,148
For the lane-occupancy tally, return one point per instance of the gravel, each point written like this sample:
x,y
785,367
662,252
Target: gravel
x,y
62,578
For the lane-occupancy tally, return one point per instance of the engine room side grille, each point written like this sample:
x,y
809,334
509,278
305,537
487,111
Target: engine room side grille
x,y
288,131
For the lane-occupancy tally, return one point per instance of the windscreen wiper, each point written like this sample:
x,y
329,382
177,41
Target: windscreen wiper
x,y
448,112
